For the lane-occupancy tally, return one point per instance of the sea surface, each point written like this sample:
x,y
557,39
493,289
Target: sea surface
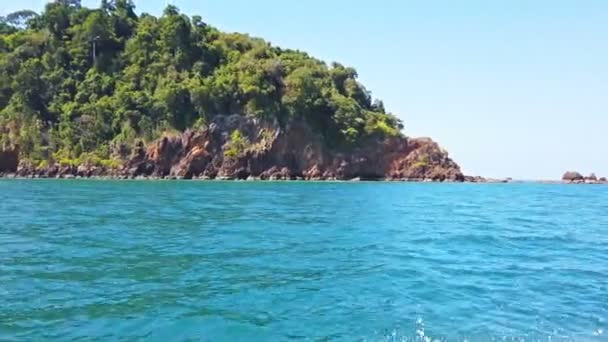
x,y
255,261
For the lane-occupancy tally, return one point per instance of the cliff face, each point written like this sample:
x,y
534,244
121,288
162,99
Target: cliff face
x,y
263,150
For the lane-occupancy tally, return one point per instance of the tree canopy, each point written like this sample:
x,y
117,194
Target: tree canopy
x,y
78,81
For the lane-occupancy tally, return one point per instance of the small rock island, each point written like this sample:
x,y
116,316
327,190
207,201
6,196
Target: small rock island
x,y
573,177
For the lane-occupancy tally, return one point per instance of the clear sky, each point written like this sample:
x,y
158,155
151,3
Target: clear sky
x,y
509,87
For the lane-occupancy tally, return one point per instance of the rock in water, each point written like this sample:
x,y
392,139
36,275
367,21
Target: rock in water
x,y
572,176
592,177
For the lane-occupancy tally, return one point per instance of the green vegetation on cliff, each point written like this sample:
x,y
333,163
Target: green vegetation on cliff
x,y
82,84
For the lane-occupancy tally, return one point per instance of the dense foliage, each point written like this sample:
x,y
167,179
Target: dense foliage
x,y
79,83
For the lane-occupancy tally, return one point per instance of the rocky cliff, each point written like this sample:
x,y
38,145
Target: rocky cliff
x,y
266,151
236,147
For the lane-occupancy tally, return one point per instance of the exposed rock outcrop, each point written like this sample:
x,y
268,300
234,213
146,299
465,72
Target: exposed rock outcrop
x,y
577,178
479,179
572,176
294,152
237,147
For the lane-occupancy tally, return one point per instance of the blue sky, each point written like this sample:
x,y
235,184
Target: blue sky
x,y
509,87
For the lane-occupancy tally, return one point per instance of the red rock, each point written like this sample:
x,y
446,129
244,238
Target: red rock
x,y
275,152
289,153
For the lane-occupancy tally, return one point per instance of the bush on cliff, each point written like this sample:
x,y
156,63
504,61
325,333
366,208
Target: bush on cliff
x,y
237,144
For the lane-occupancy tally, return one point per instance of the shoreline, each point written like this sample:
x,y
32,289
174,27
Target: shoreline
x,y
471,180
229,179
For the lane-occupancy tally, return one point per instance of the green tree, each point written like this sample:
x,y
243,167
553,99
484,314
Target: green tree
x,y
19,19
78,82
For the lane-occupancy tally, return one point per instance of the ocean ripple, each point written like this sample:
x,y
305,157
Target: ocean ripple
x,y
164,260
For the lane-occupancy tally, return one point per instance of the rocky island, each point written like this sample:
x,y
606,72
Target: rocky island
x,y
573,177
105,92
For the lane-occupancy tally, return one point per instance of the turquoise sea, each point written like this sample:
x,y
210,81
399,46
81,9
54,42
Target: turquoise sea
x,y
252,261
